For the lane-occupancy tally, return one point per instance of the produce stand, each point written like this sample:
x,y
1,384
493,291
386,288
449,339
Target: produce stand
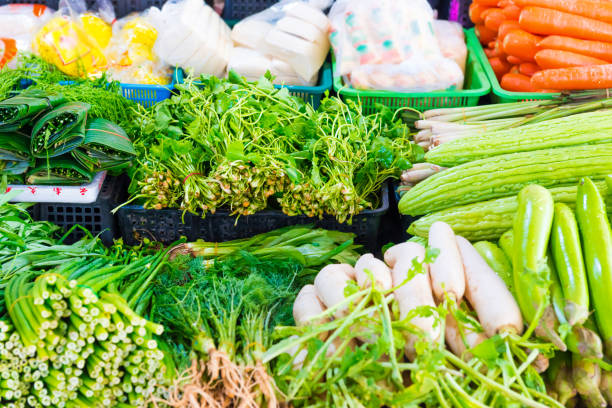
x,y
220,242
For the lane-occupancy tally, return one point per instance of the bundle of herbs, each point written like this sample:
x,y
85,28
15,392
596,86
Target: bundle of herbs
x,y
228,143
219,310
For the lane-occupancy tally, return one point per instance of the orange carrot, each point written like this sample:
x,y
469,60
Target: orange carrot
x,y
521,44
475,11
493,18
528,68
539,20
514,69
512,12
550,59
517,83
591,77
598,10
484,34
488,3
595,49
506,27
500,67
513,60
490,52
503,3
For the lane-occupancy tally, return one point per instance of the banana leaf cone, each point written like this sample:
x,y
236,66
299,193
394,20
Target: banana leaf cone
x,y
14,146
24,108
60,130
106,147
59,171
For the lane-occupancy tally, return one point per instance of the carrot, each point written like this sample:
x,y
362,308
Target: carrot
x,y
506,27
493,18
484,34
598,10
503,3
529,68
500,67
539,20
475,12
595,49
517,83
491,53
514,69
521,44
492,44
489,3
513,60
590,77
512,12
550,59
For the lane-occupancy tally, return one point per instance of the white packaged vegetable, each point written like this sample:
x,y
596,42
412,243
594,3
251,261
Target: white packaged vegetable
x,y
291,35
192,36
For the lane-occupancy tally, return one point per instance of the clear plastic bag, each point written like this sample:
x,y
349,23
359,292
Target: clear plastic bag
x,y
451,41
192,36
19,23
389,45
74,38
130,52
291,35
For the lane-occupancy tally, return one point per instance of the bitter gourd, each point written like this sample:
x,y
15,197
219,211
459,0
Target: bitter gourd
x,y
490,219
506,175
564,132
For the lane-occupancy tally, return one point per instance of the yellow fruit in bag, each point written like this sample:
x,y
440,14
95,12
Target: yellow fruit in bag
x,y
73,47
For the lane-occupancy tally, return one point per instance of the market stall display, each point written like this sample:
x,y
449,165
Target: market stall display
x,y
234,244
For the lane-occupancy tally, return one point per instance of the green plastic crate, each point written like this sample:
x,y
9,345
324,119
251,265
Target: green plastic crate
x,y
499,95
475,86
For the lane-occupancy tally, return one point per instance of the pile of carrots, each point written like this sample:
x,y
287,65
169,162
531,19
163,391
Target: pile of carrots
x,y
546,45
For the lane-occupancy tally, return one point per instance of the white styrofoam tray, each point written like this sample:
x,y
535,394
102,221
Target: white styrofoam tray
x,y
83,194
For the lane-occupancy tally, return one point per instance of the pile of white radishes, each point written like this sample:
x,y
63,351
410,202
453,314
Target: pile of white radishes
x,y
457,271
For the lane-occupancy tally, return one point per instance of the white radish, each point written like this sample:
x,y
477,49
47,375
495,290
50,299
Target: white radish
x,y
307,306
447,275
379,270
299,354
495,306
414,293
455,341
330,283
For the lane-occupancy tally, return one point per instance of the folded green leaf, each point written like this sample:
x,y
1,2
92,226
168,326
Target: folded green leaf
x,y
26,107
13,167
60,130
14,146
59,171
106,146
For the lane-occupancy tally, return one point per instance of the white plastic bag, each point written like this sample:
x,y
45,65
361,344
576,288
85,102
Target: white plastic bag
x,y
389,45
18,25
291,31
192,36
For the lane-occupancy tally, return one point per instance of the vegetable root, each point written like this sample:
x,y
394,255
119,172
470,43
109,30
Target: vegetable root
x,y
447,274
414,293
330,283
455,340
495,306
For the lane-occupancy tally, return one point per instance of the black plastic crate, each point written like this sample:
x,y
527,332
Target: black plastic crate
x,y
239,9
122,7
95,217
137,223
